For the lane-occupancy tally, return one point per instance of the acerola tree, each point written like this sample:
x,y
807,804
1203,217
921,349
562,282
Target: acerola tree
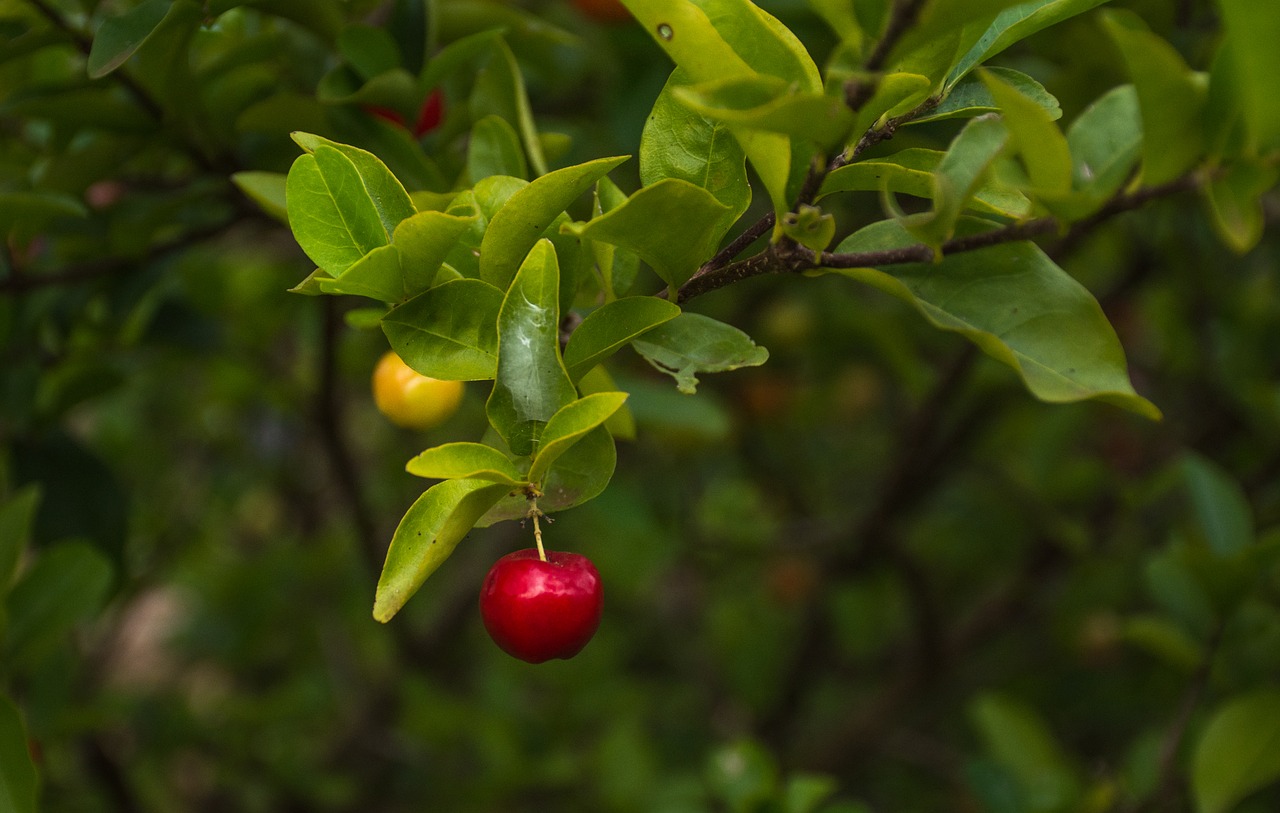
x,y
938,547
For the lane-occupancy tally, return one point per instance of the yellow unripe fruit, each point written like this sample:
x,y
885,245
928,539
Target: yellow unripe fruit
x,y
410,399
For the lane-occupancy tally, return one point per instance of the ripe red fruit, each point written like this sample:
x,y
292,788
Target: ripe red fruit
x,y
536,610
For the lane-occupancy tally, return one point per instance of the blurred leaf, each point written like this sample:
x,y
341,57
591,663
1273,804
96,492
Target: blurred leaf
x,y
524,217
1106,142
1235,203
803,793
1165,640
680,143
16,518
494,149
971,97
570,425
621,424
67,584
1174,586
610,327
119,37
1019,307
1032,135
743,776
1238,752
500,91
1015,24
1220,504
427,535
450,332
673,225
36,210
1253,30
267,189
532,384
370,51
692,343
1019,740
1171,96
18,777
466,461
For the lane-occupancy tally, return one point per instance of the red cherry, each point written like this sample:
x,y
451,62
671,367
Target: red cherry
x,y
431,114
536,610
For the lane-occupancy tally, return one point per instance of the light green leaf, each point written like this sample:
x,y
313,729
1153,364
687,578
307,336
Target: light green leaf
x,y
377,275
1105,142
1253,29
1234,197
957,179
427,535
1238,753
1019,741
16,517
577,476
524,217
332,216
466,461
895,94
1015,24
18,777
1033,136
67,583
970,97
770,104
449,332
570,425
1018,307
494,149
842,18
267,189
1171,96
1220,505
673,225
692,343
424,240
679,143
910,172
532,384
119,37
387,193
609,327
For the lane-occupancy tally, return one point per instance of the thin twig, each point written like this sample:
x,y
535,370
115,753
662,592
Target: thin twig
x,y
901,18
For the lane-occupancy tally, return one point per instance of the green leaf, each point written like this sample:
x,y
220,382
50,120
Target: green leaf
x,y
387,193
466,461
494,149
621,424
957,179
944,29
673,225
692,343
1172,98
119,37
1234,198
770,104
682,144
67,583
450,332
1253,29
1164,639
267,189
500,91
16,517
18,777
1015,24
424,240
609,327
910,172
970,97
1238,753
1105,142
1018,307
524,217
1221,507
532,384
376,275
810,227
35,210
577,476
332,216
895,94
370,51
427,535
1019,740
570,425
805,792
1033,136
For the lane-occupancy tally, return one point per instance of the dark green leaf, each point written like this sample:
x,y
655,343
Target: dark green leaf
x,y
67,583
970,97
18,778
119,37
1221,507
1015,24
608,328
1019,741
911,172
1033,136
16,518
494,149
1253,29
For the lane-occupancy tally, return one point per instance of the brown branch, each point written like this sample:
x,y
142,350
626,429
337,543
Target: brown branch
x,y
902,16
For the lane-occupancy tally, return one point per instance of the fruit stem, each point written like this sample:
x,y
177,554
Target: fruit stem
x,y
537,534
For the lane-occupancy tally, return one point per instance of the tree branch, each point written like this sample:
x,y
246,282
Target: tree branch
x,y
902,16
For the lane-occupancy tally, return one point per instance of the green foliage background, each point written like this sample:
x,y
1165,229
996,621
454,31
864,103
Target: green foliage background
x,y
872,574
